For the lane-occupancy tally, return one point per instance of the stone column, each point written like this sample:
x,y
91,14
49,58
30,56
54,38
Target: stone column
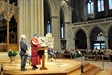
x,y
40,14
35,17
68,36
24,16
106,42
88,42
26,21
21,3
31,18
55,30
106,8
29,23
66,30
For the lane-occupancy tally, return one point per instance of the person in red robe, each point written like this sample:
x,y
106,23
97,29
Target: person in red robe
x,y
35,58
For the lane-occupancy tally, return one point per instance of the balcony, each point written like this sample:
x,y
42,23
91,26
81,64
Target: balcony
x,y
98,21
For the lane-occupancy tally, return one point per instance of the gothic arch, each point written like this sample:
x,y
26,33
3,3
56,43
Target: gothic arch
x,y
77,29
52,5
95,26
108,28
5,14
65,10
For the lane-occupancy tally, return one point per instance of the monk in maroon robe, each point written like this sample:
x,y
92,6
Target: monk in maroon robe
x,y
35,58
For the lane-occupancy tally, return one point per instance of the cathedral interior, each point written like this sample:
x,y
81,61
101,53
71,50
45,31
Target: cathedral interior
x,y
75,25
82,24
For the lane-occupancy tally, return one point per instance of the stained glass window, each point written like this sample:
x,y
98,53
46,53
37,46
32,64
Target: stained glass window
x,y
90,7
62,31
110,4
48,27
100,5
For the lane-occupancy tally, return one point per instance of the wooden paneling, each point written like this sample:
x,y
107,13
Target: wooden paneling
x,y
13,47
3,47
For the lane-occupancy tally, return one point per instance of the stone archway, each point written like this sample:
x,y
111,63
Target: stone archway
x,y
66,11
96,26
108,28
80,39
95,41
54,7
109,35
77,29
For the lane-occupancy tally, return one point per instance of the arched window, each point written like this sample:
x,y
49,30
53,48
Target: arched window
x,y
62,31
48,27
100,4
90,7
110,4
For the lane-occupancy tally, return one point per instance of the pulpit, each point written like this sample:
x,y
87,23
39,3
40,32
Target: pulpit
x,y
41,49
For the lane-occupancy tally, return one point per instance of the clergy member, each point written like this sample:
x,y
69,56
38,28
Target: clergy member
x,y
35,58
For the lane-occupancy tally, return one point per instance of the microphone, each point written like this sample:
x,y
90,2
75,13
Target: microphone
x,y
42,40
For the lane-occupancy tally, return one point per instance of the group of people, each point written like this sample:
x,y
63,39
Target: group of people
x,y
24,52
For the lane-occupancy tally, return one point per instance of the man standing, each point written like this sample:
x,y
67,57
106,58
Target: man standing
x,y
35,58
23,52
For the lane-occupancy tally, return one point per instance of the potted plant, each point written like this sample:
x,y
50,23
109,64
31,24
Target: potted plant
x,y
12,54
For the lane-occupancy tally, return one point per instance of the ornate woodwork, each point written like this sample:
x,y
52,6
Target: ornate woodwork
x,y
9,11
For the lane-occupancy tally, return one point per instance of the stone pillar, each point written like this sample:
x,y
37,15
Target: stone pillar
x,y
40,14
74,42
26,21
55,30
32,18
68,36
24,16
21,3
67,28
95,7
29,36
88,42
35,17
106,42
106,4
